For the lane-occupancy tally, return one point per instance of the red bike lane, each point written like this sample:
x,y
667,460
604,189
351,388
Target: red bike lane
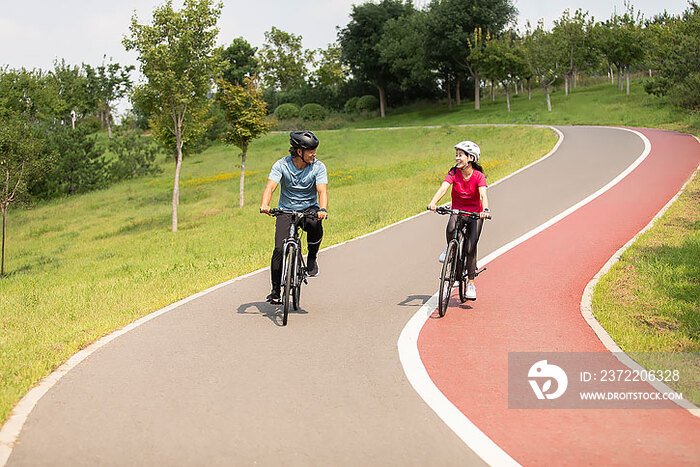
x,y
529,301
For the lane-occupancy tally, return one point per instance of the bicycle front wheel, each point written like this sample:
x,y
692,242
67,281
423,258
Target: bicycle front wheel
x,y
296,296
290,259
447,277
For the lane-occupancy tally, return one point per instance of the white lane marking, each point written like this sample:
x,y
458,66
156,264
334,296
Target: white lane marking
x,y
418,376
13,426
608,342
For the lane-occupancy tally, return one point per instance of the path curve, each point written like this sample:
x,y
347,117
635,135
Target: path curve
x,y
215,381
530,302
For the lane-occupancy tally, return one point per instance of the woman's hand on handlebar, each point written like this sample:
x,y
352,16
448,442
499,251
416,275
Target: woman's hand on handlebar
x,y
432,207
485,215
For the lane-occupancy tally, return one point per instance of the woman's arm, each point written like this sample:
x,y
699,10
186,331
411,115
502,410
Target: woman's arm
x,y
484,201
438,195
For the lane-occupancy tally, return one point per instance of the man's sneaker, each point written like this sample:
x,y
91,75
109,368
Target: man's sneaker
x,y
312,268
274,298
442,256
471,291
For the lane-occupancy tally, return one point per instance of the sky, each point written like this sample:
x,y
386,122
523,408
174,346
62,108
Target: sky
x,y
33,33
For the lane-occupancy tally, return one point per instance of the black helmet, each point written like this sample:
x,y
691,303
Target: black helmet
x,y
303,140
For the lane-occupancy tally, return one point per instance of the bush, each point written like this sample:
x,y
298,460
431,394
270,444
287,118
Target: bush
x,y
91,124
351,105
367,103
314,112
286,111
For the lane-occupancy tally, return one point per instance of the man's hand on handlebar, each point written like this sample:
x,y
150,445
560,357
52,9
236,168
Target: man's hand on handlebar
x,y
265,209
321,215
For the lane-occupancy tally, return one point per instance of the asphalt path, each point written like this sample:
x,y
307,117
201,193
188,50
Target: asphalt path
x,y
218,381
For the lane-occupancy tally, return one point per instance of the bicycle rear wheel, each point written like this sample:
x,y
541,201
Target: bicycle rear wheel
x,y
447,277
289,280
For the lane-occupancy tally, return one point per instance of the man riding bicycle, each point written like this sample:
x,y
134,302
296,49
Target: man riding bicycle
x,y
304,187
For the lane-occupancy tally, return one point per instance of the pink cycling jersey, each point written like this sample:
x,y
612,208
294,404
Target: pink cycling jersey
x,y
465,193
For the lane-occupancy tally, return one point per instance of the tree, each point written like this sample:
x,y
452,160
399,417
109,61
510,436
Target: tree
x,y
245,114
330,70
542,57
109,82
504,62
676,58
572,35
75,97
79,166
31,94
21,159
135,154
283,60
179,62
239,61
452,28
359,39
402,49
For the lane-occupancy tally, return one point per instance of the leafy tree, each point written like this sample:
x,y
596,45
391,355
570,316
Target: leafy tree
x,y
453,25
75,99
79,166
21,159
330,70
572,34
676,58
402,49
359,39
542,57
239,61
245,113
179,62
283,60
135,154
32,94
108,83
504,62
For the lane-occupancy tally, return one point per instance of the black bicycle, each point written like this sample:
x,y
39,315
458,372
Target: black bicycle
x,y
452,268
293,266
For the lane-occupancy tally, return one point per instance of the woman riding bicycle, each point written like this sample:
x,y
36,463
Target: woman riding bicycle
x,y
468,194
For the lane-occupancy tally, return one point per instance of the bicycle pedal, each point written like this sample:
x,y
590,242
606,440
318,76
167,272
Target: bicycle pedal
x,y
305,282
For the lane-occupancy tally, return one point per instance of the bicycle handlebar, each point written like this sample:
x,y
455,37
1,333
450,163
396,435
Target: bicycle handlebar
x,y
473,215
276,212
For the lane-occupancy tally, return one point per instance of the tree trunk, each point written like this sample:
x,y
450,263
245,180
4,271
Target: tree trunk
x,y
575,78
493,91
549,101
178,166
611,74
517,83
627,73
619,81
457,93
2,262
508,97
242,185
566,85
382,101
477,91
649,72
529,95
109,122
449,94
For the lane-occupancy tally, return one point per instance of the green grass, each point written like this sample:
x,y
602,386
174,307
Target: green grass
x,y
600,104
81,267
650,299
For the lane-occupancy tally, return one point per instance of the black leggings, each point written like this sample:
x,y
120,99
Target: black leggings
x,y
472,232
314,231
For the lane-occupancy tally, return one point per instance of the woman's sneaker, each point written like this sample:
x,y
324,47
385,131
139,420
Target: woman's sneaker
x,y
471,291
441,259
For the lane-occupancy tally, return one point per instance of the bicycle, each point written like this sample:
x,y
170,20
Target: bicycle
x,y
293,266
451,268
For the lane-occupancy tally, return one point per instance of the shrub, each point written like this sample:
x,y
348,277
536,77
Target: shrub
x,y
314,112
286,111
351,105
367,103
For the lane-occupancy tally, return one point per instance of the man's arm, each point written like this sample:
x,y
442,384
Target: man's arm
x,y
322,191
267,196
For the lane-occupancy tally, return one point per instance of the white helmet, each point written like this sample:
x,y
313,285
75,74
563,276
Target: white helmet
x,y
471,148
